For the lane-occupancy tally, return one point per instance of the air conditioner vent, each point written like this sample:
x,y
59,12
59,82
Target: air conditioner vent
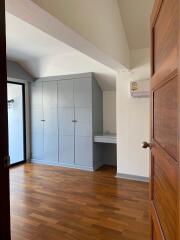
x,y
140,89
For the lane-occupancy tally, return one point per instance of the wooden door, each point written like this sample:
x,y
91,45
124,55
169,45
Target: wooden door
x,y
4,170
165,121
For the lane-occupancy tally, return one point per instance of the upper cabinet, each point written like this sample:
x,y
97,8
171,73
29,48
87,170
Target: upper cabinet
x,y
66,93
36,95
50,94
83,92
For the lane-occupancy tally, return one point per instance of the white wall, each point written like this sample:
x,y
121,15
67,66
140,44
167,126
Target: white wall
x,y
109,112
140,64
133,119
15,71
97,21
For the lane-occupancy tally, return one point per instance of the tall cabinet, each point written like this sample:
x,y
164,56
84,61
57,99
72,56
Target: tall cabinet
x,y
66,114
44,121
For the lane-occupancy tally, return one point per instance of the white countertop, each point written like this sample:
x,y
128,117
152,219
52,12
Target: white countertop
x,y
105,139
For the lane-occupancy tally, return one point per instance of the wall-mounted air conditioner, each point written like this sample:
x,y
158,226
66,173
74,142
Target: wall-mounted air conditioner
x,y
140,88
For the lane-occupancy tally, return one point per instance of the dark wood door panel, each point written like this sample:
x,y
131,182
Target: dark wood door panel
x,y
166,162
165,192
156,236
166,117
165,112
165,35
157,233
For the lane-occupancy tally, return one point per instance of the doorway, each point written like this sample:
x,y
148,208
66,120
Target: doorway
x,y
16,122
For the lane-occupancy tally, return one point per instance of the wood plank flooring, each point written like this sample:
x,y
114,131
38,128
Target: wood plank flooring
x,y
53,203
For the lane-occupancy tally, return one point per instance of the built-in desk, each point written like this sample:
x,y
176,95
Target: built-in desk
x,y
105,139
106,147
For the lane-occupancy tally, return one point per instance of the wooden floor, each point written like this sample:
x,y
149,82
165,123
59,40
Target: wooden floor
x,y
53,203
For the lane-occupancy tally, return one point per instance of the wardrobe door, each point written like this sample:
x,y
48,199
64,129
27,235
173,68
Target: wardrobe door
x,y
37,123
66,121
83,92
83,151
83,116
83,125
50,122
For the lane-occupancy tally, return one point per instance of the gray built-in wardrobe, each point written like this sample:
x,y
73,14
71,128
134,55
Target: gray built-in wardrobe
x,y
66,114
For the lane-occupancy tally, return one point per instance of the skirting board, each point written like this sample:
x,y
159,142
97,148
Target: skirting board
x,y
132,177
90,169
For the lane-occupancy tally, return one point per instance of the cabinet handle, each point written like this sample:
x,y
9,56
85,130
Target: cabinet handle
x,y
43,120
74,121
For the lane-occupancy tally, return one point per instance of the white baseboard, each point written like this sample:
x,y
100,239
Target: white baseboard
x,y
63,165
132,177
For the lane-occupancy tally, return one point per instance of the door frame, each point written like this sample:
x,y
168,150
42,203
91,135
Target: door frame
x,y
24,122
5,226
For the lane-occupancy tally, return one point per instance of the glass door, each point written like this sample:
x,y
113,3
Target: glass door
x,y
16,122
